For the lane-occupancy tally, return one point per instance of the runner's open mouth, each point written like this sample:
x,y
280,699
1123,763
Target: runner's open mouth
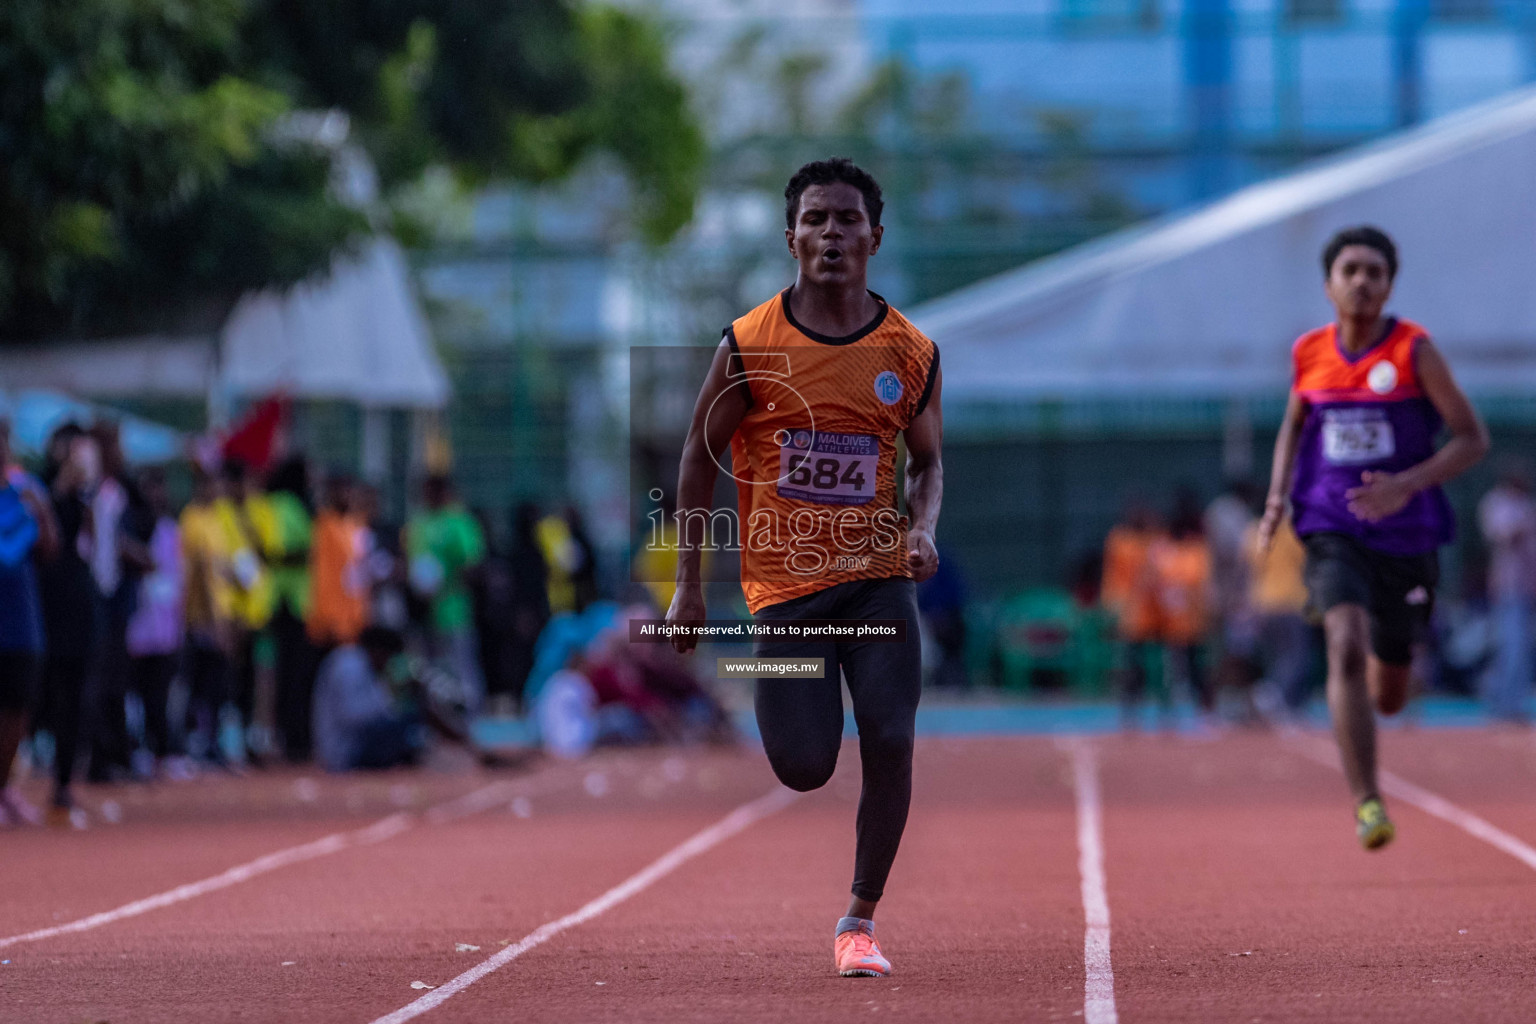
x,y
832,255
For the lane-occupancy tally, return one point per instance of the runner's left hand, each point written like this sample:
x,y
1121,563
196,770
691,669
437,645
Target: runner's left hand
x,y
922,556
1378,496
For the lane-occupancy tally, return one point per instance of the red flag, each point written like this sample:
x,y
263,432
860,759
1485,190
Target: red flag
x,y
254,439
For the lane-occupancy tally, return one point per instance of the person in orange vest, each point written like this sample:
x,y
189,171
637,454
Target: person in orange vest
x,y
1179,573
1127,595
338,603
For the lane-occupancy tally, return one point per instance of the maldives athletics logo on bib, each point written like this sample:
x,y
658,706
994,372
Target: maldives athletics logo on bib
x,y
888,387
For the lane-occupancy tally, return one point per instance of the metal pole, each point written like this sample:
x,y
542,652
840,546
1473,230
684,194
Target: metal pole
x,y
1408,59
1208,79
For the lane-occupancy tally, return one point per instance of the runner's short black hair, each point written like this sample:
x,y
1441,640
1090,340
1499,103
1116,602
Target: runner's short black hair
x,y
1367,235
825,172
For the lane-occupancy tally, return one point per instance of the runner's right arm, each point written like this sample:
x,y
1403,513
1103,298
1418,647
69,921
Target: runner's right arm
x,y
719,410
1280,471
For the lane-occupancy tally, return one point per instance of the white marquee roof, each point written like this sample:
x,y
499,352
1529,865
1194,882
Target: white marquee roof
x,y
357,335
1207,304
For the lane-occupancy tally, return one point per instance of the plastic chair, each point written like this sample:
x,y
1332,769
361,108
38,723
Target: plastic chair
x,y
1037,631
1095,642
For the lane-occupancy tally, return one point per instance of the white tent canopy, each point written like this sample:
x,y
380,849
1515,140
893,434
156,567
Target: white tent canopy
x,y
1205,305
36,414
357,335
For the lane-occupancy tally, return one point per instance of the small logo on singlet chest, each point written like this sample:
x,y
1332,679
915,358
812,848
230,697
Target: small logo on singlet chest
x,y
888,387
1382,378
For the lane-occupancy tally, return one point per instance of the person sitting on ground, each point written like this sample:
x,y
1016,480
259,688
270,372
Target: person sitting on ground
x,y
646,692
370,711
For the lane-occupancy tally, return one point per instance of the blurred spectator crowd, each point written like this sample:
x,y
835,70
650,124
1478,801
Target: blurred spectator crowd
x,y
267,620
1196,606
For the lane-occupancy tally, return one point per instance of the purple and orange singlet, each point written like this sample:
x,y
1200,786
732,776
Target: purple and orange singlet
x,y
1365,412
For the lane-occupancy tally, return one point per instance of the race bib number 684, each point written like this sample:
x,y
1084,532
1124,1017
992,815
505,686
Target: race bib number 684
x,y
829,469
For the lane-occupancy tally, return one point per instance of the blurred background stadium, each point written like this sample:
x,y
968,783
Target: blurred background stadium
x,y
444,248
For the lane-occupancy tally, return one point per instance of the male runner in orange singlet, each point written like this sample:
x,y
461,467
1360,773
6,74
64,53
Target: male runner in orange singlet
x,y
808,391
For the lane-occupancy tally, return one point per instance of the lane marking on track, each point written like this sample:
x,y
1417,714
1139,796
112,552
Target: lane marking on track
x,y
381,830
737,821
1399,788
482,799
1099,974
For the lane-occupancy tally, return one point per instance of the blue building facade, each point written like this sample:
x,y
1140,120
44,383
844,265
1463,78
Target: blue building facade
x,y
1231,85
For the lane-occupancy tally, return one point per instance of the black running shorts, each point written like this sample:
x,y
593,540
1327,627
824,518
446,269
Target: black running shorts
x,y
1398,592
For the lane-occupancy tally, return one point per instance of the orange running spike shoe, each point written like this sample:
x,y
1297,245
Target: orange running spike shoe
x,y
857,954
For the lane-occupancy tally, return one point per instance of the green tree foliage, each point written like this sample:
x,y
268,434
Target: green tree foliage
x,y
640,115
143,178
136,177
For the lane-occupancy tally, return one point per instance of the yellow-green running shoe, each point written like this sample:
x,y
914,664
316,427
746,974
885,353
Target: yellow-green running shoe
x,y
1372,825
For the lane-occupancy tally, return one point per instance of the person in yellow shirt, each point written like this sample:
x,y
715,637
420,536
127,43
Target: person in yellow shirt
x,y
560,556
210,600
249,525
1278,595
654,565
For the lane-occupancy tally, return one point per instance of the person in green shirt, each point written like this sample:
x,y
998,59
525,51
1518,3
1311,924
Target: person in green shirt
x,y
289,502
444,545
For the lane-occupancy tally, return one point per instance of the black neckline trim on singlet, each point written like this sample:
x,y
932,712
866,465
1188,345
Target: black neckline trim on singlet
x,y
826,339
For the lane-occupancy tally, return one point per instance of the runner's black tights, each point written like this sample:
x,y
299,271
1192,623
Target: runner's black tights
x,y
801,720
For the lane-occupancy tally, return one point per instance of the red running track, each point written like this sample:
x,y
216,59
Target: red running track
x,y
1235,889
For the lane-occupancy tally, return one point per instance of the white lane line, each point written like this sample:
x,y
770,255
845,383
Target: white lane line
x,y
384,828
1099,974
484,798
738,820
1399,788
234,876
